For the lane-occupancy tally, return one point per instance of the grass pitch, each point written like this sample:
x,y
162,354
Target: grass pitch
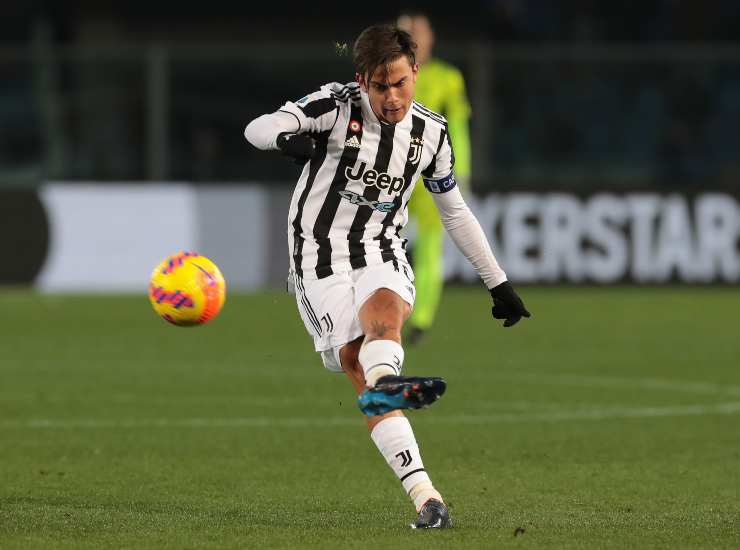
x,y
611,419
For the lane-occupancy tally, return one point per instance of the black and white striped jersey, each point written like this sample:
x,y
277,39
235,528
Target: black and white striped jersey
x,y
350,202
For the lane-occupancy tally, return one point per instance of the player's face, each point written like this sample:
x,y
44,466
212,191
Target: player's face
x,y
391,89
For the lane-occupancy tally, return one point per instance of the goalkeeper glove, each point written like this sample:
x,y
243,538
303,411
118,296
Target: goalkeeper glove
x,y
297,146
507,304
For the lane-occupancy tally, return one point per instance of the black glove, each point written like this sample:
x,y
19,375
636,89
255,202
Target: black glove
x,y
297,146
507,304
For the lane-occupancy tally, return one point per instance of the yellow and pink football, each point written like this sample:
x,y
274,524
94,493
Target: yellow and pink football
x,y
187,289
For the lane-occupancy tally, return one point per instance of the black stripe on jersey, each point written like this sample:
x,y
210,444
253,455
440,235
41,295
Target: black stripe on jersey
x,y
417,132
431,114
452,149
353,97
331,203
429,171
344,92
348,88
371,193
316,162
319,107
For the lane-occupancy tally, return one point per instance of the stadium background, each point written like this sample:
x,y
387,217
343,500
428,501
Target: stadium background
x,y
573,98
605,166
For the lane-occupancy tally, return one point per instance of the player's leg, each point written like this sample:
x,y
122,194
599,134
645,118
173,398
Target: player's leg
x,y
351,365
381,317
392,434
381,355
428,266
328,310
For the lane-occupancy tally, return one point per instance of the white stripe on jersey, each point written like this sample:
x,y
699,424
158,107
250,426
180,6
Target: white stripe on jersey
x,y
350,201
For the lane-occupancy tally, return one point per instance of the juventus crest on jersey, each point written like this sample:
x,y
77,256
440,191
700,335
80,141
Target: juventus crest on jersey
x,y
349,204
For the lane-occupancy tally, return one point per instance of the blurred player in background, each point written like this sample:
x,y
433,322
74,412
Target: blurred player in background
x,y
441,88
363,145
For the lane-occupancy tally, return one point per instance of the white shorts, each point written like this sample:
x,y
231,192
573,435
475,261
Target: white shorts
x,y
329,307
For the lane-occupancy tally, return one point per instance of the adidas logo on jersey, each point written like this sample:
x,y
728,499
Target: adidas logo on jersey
x,y
381,180
352,142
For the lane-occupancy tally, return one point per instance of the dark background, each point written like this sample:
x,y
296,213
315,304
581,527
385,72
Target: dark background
x,y
569,94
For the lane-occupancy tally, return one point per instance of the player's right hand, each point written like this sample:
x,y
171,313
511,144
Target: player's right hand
x,y
299,147
507,304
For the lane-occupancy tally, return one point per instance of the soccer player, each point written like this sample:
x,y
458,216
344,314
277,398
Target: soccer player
x,y
362,146
441,88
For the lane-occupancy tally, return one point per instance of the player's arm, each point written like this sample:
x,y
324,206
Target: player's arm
x,y
467,234
288,128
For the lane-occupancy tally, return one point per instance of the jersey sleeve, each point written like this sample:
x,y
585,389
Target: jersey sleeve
x,y
466,232
438,176
316,112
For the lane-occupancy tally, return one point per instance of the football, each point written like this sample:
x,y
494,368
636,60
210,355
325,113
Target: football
x,y
187,289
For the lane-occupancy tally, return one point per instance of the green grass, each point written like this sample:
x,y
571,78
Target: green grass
x,y
611,419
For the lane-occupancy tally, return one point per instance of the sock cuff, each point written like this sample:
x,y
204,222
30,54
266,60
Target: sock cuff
x,y
384,356
423,491
382,351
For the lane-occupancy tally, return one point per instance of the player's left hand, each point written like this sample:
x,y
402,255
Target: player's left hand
x,y
297,146
507,304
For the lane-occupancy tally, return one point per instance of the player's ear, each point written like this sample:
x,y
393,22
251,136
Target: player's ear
x,y
415,70
361,81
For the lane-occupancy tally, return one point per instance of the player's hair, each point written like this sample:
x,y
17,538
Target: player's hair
x,y
381,45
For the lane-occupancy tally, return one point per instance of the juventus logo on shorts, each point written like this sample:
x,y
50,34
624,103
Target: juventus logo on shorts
x,y
326,319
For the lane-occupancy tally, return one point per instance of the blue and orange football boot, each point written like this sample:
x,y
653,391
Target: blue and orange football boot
x,y
400,392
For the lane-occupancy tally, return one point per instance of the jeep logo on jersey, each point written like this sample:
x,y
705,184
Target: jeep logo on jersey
x,y
381,180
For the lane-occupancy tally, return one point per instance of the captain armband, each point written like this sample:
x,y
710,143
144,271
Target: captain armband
x,y
442,185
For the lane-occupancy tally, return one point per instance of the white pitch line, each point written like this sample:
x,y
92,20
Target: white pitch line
x,y
703,388
125,398
331,422
599,414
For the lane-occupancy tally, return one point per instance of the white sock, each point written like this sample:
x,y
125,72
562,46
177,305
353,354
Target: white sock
x,y
380,358
396,442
